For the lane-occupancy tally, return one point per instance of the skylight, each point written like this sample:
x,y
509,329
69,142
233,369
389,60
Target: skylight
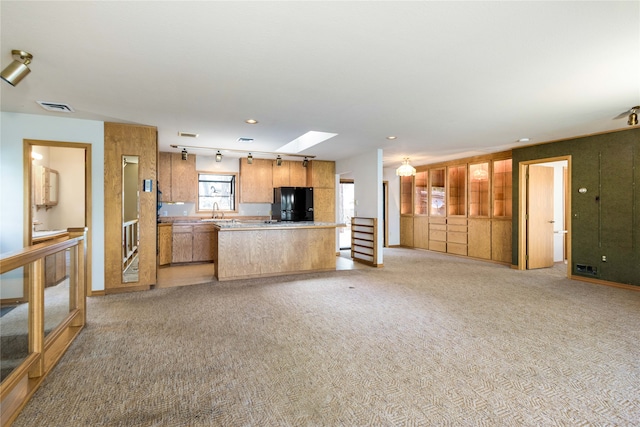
x,y
305,141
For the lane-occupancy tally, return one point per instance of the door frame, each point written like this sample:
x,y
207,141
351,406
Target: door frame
x,y
27,147
522,208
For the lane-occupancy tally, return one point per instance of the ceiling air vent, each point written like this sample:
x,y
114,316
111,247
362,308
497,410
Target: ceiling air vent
x,y
245,139
56,107
188,134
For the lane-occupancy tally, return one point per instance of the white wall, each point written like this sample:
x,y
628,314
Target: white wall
x,y
393,221
366,171
14,128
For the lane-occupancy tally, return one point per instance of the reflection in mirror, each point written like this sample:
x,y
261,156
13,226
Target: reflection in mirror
x,y
56,290
14,322
130,218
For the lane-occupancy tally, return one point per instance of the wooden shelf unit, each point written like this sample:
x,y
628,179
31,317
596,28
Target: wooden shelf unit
x,y
364,238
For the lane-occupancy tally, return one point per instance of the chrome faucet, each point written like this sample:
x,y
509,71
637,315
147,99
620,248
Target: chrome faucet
x,y
214,209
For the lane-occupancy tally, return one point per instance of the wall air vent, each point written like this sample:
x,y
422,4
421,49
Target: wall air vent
x,y
188,134
245,139
56,107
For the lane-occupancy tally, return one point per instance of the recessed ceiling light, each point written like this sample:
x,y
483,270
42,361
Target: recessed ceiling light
x,y
391,137
524,140
251,121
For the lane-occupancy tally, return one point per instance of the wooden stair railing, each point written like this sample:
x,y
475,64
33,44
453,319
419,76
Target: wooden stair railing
x,y
43,352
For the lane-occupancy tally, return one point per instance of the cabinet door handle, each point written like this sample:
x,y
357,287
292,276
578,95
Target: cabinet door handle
x,y
552,221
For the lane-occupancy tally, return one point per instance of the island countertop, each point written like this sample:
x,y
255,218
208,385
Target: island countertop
x,y
228,225
249,249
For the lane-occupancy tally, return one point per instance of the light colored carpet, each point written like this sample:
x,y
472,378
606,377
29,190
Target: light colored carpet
x,y
427,340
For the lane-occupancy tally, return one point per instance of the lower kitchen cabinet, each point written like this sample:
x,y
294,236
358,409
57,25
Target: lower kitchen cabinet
x,y
192,243
165,241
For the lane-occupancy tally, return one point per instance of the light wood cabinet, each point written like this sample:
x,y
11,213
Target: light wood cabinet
x,y
438,234
203,243
501,240
421,232
256,181
130,140
182,244
468,211
55,268
192,243
457,236
321,174
406,231
324,205
479,238
457,190
178,179
289,174
165,237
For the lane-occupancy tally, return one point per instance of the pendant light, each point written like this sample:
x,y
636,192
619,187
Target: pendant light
x,y
406,169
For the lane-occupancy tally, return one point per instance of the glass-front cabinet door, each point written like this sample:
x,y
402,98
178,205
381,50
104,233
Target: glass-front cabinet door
x,y
479,190
437,195
457,190
502,188
406,191
421,194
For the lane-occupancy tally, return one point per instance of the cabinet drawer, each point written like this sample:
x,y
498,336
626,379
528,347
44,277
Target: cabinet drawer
x,y
457,228
457,237
436,220
437,235
182,229
437,246
457,221
456,248
434,227
205,228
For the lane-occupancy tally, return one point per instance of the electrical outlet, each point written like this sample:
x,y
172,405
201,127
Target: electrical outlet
x,y
604,258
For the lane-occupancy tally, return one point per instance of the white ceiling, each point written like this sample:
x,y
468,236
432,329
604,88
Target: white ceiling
x,y
449,79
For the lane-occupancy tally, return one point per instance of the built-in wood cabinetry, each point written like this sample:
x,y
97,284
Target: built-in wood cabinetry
x,y
461,207
289,174
321,176
55,268
177,178
192,243
256,181
140,141
165,241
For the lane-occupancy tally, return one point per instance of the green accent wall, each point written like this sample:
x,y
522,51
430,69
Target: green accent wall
x,y
605,221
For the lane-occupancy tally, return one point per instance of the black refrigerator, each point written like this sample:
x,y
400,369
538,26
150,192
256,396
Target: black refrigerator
x,y
292,204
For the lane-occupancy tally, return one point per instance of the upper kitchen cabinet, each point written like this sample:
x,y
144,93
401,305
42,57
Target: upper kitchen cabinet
x,y
178,179
321,174
256,181
289,174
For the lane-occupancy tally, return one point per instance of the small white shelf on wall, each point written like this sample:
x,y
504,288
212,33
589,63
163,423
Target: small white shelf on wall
x,y
364,238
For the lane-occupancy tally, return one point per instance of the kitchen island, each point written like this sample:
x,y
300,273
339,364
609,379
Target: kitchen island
x,y
248,249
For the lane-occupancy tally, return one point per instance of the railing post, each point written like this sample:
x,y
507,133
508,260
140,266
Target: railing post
x,y
79,271
36,315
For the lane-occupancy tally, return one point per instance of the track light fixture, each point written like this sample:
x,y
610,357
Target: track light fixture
x,y
279,160
305,162
250,159
633,117
17,70
185,155
218,156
